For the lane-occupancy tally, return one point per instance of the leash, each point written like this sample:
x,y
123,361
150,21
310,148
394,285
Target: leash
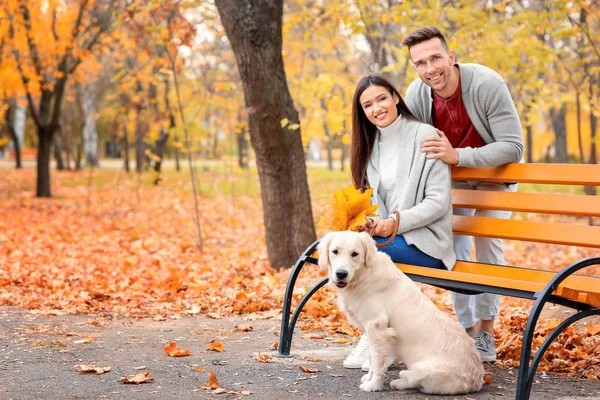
x,y
394,233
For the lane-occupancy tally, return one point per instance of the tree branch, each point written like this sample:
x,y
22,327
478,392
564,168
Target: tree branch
x,y
32,46
54,25
30,102
587,35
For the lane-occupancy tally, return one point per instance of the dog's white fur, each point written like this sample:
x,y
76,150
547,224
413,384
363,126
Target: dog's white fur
x,y
399,320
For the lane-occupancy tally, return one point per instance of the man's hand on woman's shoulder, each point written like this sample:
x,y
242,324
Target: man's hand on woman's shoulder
x,y
441,148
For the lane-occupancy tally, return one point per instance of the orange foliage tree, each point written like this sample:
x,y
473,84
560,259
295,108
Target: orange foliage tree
x,y
46,45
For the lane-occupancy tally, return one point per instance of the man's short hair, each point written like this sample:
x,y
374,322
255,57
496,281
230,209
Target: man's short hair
x,y
423,34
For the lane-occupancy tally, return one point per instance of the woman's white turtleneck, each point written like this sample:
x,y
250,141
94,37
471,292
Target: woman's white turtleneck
x,y
390,141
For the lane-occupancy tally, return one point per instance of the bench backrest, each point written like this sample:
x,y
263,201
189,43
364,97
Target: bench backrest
x,y
574,203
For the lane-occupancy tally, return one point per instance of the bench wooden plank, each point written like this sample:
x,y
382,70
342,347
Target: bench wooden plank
x,y
575,287
527,202
531,287
577,282
542,232
580,296
560,174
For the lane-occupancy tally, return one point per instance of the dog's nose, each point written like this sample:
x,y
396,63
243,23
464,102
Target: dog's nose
x,y
341,274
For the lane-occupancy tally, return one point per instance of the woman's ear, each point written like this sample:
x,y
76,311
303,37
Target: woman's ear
x,y
370,250
323,250
396,98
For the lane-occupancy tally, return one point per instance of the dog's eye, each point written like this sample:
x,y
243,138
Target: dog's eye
x,y
354,254
334,251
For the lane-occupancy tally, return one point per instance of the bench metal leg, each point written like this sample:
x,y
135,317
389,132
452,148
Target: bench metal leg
x,y
287,324
527,370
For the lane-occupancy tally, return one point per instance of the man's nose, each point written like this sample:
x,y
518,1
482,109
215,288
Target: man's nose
x,y
341,274
430,67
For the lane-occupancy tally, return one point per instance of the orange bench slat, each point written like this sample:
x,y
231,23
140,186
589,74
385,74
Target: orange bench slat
x,y
546,203
560,174
585,289
542,232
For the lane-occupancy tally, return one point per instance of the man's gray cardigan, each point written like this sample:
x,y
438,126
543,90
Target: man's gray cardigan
x,y
490,108
424,200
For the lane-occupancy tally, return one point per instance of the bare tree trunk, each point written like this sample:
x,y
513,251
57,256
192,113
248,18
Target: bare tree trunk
x,y
126,147
79,153
177,164
161,143
140,146
57,145
592,190
254,30
139,141
242,142
560,133
327,136
45,137
593,125
90,130
10,117
345,151
529,129
579,138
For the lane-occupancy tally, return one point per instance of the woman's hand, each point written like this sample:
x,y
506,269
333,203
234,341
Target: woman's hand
x,y
381,227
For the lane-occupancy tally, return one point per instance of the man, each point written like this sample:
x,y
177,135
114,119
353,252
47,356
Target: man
x,y
478,124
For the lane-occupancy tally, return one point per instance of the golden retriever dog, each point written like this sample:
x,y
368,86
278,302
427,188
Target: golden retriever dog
x,y
399,320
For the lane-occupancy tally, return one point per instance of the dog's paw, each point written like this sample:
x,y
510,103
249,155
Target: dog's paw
x,y
371,386
404,374
399,384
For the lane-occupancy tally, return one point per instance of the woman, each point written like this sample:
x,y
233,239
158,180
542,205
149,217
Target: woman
x,y
386,156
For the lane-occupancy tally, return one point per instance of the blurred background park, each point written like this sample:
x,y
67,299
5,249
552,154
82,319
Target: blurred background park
x,y
107,70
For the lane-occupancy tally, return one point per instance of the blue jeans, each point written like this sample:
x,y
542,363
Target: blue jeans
x,y
402,253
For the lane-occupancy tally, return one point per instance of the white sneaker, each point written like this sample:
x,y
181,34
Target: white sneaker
x,y
359,354
366,365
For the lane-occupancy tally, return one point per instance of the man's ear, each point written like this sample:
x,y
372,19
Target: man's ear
x,y
323,250
370,250
452,57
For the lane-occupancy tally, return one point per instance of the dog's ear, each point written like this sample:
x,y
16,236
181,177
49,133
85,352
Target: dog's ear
x,y
323,250
370,250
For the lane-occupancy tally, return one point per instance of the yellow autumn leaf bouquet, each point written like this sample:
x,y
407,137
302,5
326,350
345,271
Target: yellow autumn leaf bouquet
x,y
348,210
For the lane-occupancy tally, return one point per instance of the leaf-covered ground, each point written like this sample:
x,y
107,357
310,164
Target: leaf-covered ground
x,y
115,244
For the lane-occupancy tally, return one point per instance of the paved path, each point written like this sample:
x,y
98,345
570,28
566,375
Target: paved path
x,y
38,353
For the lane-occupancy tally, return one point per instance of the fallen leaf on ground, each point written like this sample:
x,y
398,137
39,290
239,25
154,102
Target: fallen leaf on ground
x,y
198,369
314,336
593,329
215,346
87,340
487,378
244,327
91,369
173,350
213,383
138,378
313,359
308,370
341,341
263,357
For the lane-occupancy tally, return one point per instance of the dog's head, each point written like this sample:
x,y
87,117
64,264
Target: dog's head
x,y
344,254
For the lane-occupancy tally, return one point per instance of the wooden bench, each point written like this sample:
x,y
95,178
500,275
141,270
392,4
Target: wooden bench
x,y
26,154
579,292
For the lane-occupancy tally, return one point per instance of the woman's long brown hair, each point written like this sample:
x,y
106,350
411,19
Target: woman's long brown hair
x,y
364,132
